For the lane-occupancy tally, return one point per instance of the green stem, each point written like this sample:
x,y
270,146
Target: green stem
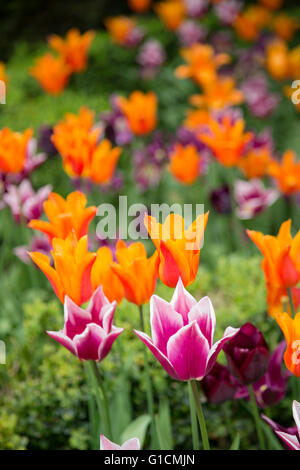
x,y
289,291
200,415
194,424
256,418
105,400
150,399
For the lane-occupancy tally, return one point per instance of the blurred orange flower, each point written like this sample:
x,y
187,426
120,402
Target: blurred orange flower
x,y
272,4
120,28
294,62
255,163
171,12
291,330
185,163
52,73
103,275
77,140
249,23
72,268
285,26
202,63
65,216
178,249
13,150
227,139
277,60
289,92
196,118
278,300
137,273
74,48
286,173
218,94
140,5
140,110
3,75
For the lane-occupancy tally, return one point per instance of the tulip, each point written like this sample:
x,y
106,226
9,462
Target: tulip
x,y
221,201
251,21
65,216
102,274
130,444
290,436
72,268
291,330
270,389
136,272
185,163
190,32
140,110
286,173
74,48
88,334
151,57
255,162
178,249
124,31
140,6
196,8
218,94
219,385
247,355
44,140
13,150
252,198
38,243
182,335
171,12
227,11
52,73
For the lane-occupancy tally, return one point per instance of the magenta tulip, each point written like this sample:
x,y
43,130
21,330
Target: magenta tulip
x,y
290,436
219,385
182,335
131,444
89,334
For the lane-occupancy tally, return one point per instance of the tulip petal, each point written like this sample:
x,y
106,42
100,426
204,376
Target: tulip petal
x,y
296,414
203,313
88,342
106,444
165,322
216,348
131,444
162,359
76,319
182,301
291,441
61,338
97,302
107,343
188,351
255,365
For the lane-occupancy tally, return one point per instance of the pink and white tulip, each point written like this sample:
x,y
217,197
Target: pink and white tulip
x,y
88,334
290,440
252,198
131,444
182,335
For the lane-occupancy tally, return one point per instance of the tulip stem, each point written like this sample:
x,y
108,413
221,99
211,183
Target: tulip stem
x,y
256,418
105,400
195,433
150,399
200,415
289,291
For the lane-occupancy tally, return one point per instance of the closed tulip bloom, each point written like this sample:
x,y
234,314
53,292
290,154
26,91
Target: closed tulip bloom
x,y
182,335
72,268
130,444
277,60
65,216
88,334
74,48
219,385
290,436
247,355
140,6
102,274
140,110
103,162
52,73
178,249
291,330
137,273
185,163
171,12
286,173
13,150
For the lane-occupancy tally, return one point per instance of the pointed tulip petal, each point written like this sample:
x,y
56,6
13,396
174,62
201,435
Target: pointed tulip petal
x,y
106,444
203,313
182,301
291,441
107,343
131,444
76,319
61,338
216,348
88,342
165,322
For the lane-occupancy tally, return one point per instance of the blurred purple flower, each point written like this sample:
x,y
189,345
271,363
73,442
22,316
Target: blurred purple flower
x,y
219,385
190,32
151,57
134,38
261,102
115,124
44,140
196,8
228,10
221,200
222,41
38,243
148,163
253,198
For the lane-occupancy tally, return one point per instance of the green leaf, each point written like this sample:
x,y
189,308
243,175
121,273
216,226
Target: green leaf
x,y
236,443
137,428
273,443
163,426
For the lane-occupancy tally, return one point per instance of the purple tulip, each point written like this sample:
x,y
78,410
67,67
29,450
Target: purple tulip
x,y
190,32
228,10
131,444
115,124
196,8
44,140
252,198
261,102
88,334
247,354
270,389
221,200
222,41
38,243
24,203
182,335
290,436
151,57
219,385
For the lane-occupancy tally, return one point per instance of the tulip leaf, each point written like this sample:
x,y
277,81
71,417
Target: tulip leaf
x,y
236,443
163,426
273,442
137,428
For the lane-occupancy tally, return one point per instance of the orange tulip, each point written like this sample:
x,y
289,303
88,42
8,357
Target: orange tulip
x,y
3,75
196,118
286,173
226,139
82,154
278,300
285,26
137,273
120,28
72,268
185,163
65,216
74,48
140,110
255,163
272,4
171,12
202,63
249,24
294,62
277,60
218,94
178,249
291,330
52,73
289,92
140,6
103,275
13,150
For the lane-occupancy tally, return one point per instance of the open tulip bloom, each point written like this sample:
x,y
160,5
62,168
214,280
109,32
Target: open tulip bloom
x,y
182,335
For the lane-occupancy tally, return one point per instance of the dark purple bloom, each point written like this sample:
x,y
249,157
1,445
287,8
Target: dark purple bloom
x,y
219,385
247,355
115,125
221,200
222,41
261,102
44,142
